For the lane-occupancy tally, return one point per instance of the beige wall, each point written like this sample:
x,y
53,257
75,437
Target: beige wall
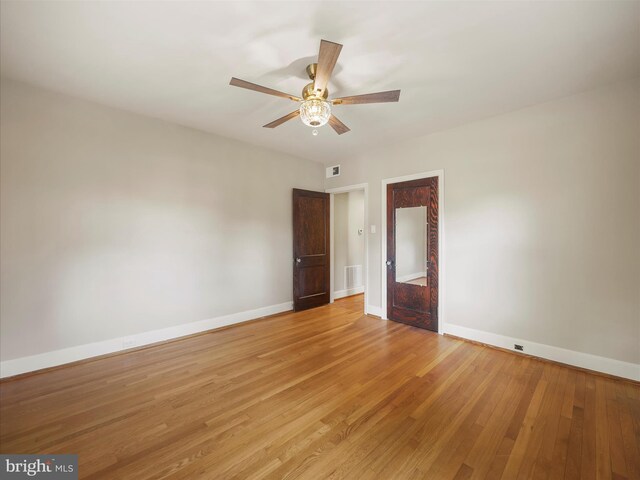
x,y
542,220
114,223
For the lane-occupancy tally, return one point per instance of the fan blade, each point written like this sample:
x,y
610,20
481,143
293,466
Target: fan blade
x,y
338,126
327,59
236,82
380,97
281,120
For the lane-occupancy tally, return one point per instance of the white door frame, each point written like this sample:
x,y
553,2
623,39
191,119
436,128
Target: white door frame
x,y
365,273
441,250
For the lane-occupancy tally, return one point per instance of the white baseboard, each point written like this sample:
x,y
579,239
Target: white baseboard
x,y
348,292
570,357
373,310
54,358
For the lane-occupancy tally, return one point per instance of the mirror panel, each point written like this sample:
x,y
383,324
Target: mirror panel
x,y
411,245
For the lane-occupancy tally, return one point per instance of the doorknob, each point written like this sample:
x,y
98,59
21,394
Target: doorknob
x,y
298,260
389,263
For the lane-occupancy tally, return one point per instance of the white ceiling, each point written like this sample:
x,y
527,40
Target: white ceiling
x,y
455,62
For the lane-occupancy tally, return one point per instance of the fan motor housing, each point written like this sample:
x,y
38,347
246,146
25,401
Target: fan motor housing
x,y
308,90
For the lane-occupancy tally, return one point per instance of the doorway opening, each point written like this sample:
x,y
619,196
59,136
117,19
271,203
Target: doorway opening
x,y
349,240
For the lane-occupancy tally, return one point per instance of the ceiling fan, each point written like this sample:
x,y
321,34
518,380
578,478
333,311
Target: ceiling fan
x,y
315,107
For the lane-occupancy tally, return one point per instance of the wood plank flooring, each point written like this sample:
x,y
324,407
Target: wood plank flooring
x,y
326,393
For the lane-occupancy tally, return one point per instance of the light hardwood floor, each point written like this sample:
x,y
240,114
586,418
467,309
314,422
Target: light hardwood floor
x,y
326,393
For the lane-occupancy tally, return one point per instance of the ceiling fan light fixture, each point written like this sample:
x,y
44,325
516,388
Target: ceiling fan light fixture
x,y
315,112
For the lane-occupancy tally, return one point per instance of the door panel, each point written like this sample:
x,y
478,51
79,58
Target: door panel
x,y
311,229
310,249
412,253
312,280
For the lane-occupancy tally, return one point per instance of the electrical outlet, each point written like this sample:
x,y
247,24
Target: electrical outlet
x,y
128,342
519,347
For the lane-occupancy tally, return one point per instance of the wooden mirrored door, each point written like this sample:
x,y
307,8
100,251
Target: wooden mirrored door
x,y
412,253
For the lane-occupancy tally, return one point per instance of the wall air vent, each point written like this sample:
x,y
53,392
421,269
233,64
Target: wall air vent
x,y
333,171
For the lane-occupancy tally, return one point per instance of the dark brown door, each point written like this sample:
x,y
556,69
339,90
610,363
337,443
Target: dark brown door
x,y
310,249
412,253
